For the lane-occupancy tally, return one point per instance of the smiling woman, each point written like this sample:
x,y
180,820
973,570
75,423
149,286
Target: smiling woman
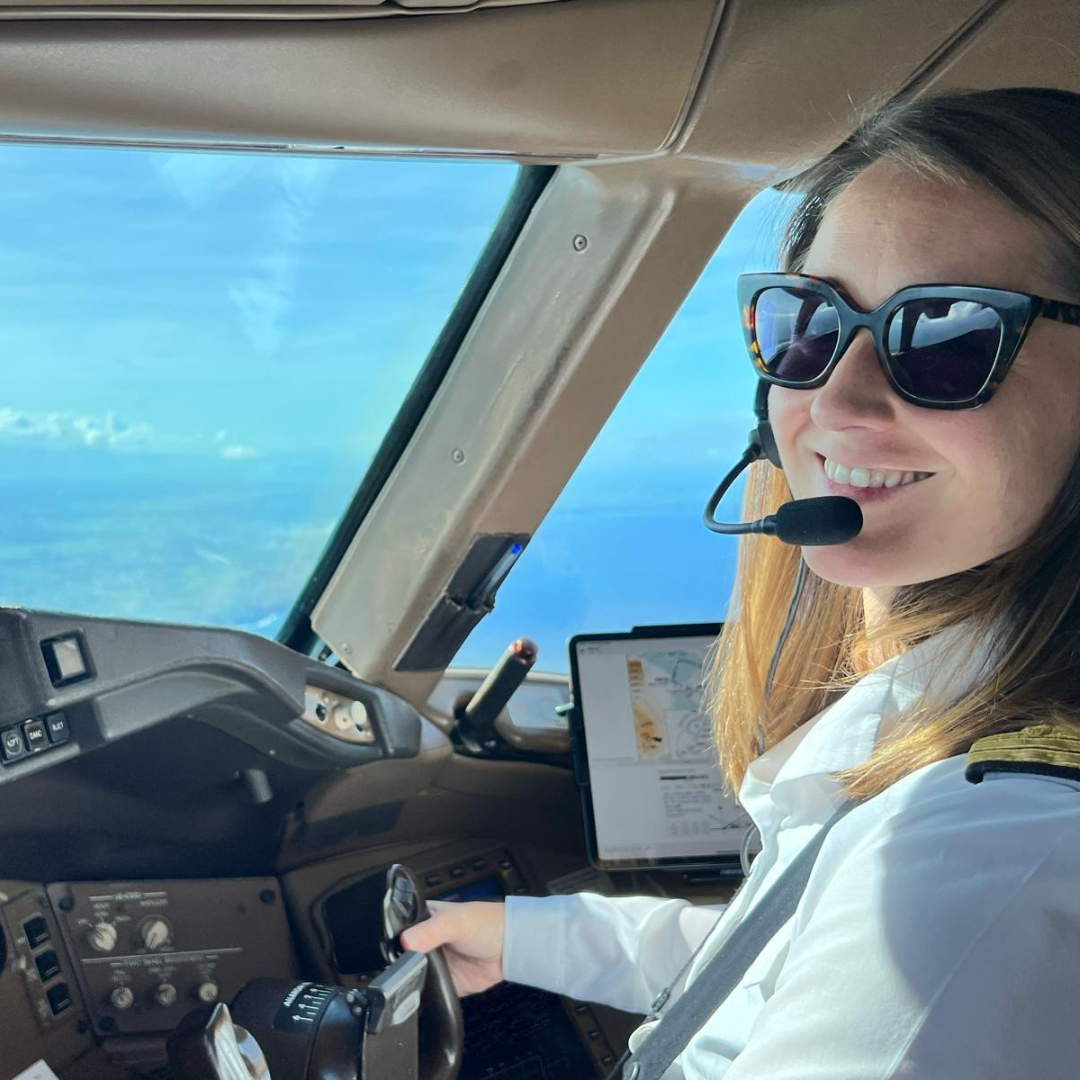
x,y
202,353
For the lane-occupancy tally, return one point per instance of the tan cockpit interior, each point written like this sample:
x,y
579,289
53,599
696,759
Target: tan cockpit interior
x,y
656,120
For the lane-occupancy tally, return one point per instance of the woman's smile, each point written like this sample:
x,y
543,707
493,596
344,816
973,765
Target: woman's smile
x,y
868,485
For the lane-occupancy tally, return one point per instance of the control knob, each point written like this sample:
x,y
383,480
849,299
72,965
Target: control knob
x,y
207,992
165,995
155,933
101,937
122,997
350,717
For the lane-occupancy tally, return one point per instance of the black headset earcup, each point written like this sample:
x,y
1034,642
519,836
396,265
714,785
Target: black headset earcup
x,y
765,438
768,442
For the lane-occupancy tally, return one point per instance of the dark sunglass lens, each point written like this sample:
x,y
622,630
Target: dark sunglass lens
x,y
796,331
943,350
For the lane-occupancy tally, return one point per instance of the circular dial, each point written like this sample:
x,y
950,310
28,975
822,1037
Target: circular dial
x,y
351,716
165,995
101,937
155,933
122,997
207,992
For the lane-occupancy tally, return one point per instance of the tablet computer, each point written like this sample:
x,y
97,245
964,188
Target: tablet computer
x,y
643,751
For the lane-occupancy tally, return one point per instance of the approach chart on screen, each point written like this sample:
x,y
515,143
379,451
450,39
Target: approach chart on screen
x,y
666,698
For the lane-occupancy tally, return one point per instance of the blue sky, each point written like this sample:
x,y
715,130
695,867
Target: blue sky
x,y
203,352
164,299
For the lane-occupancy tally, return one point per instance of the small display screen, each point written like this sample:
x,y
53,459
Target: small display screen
x,y
653,794
488,888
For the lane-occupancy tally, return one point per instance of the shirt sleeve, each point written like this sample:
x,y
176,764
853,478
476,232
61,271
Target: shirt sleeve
x,y
618,951
942,942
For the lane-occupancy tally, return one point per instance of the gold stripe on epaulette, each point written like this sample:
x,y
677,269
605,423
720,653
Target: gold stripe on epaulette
x,y
1041,749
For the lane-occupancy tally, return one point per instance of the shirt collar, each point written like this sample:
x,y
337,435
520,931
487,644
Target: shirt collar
x,y
794,778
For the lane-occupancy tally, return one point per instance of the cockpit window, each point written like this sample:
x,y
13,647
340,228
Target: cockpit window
x,y
624,545
202,353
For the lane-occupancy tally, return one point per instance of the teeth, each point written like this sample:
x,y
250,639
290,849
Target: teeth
x,y
870,478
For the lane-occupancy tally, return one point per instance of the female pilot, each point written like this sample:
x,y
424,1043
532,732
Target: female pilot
x,y
923,358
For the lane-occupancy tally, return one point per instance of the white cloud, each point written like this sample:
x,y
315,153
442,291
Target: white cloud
x,y
235,452
200,180
66,429
264,297
214,557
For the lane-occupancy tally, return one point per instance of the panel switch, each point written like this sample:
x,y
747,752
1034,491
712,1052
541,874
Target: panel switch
x,y
65,659
56,724
34,734
59,998
47,964
12,746
36,931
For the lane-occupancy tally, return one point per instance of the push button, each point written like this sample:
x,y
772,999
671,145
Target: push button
x,y
34,734
47,965
12,746
59,998
56,725
65,660
36,931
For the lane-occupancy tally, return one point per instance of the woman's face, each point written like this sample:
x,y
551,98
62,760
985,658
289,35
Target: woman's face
x,y
993,471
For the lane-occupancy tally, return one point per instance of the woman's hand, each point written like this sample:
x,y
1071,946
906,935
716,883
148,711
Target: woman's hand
x,y
471,935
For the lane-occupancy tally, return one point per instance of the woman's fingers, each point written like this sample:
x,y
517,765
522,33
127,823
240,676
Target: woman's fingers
x,y
431,933
472,930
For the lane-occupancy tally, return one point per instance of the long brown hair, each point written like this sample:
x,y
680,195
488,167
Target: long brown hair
x,y
1024,145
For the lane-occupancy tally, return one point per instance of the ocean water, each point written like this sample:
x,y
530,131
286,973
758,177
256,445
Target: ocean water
x,y
233,544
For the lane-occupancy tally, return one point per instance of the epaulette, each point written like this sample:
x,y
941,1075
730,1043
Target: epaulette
x,y
1041,749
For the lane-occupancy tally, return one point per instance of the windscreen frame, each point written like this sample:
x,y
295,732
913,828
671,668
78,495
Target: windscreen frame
x,y
296,630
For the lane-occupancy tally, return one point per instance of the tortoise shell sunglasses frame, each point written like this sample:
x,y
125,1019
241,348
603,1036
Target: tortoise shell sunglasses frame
x,y
1015,310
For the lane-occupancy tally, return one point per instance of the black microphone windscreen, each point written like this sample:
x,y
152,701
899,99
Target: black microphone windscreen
x,y
819,522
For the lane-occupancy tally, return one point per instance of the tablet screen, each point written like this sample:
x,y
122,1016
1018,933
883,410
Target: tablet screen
x,y
646,760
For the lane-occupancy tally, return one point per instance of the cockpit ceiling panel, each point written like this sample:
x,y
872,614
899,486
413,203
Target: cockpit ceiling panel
x,y
355,9
1028,43
563,81
746,84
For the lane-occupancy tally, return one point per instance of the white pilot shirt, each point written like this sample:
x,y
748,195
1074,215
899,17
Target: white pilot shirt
x,y
938,936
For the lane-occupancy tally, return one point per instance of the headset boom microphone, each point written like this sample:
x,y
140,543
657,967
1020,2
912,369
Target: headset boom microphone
x,y
805,522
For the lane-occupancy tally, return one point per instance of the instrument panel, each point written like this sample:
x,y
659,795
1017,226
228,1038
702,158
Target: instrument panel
x,y
115,964
145,953
166,807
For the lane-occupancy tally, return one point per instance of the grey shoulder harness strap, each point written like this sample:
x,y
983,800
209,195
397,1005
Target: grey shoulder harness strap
x,y
725,970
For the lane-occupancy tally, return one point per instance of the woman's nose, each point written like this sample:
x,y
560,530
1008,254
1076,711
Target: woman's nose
x,y
857,394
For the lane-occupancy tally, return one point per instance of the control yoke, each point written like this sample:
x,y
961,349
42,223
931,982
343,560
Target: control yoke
x,y
212,1047
280,1030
